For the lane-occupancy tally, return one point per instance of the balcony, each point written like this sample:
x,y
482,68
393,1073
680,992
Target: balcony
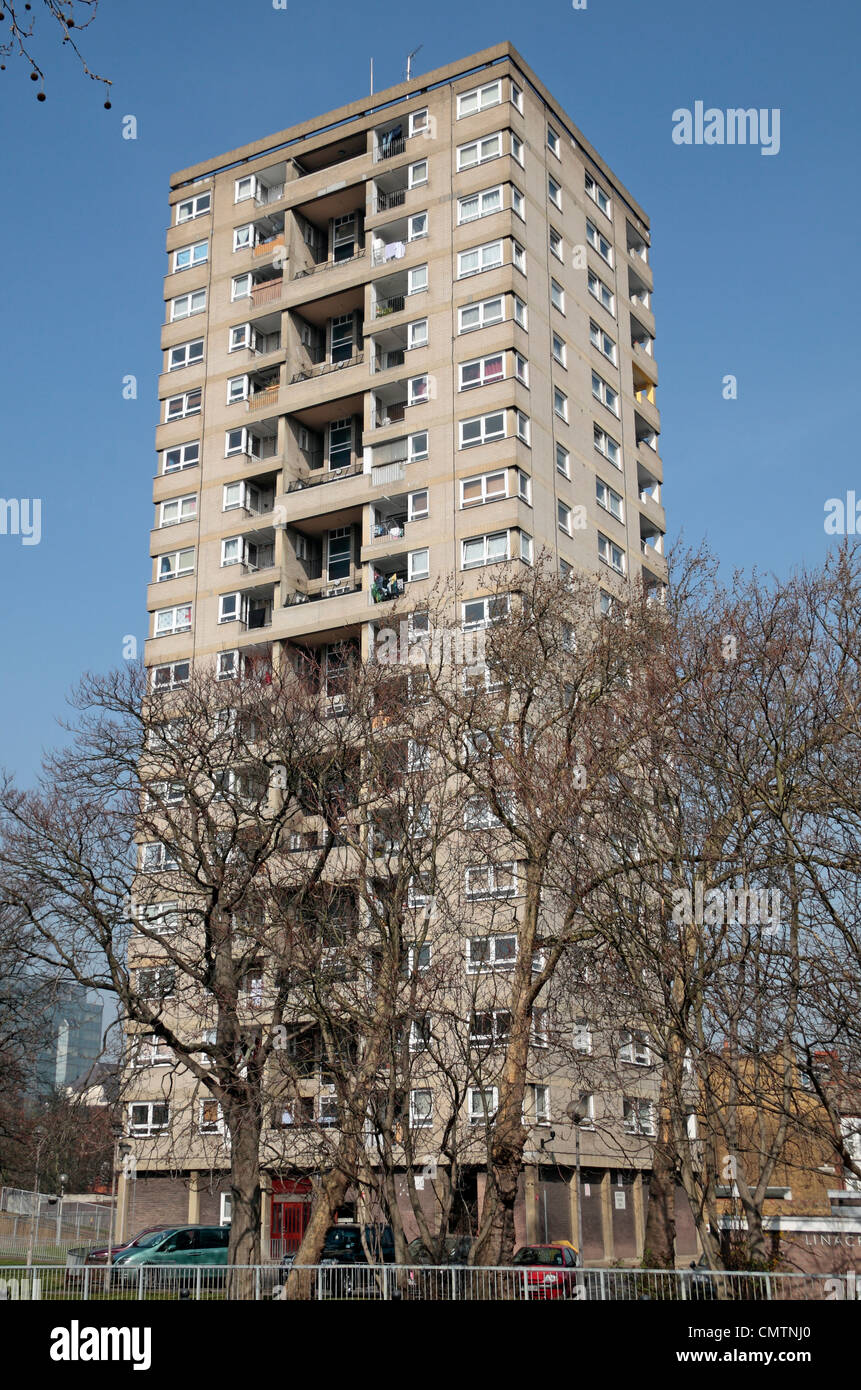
x,y
388,405
389,141
390,294
325,366
321,476
267,291
329,264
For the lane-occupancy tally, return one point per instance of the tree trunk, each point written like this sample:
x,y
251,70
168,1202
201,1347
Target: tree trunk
x,y
244,1248
333,1190
659,1245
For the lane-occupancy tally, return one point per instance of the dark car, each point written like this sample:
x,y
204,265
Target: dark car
x,y
455,1252
343,1249
551,1270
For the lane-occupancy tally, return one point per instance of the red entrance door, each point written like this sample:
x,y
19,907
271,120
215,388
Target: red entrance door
x,y
291,1208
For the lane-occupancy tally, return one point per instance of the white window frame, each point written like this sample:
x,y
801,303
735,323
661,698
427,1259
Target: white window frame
x,y
482,1114
601,292
195,210
520,312
479,308
228,665
494,196
608,551
485,256
599,242
633,1123
415,453
183,461
605,393
464,158
419,122
608,447
560,356
210,1127
482,104
488,616
418,565
192,252
185,348
241,286
635,1048
415,512
554,191
557,296
417,334
560,404
241,193
418,389
179,503
563,517
148,1128
180,568
597,193
582,1037
563,461
472,878
487,959
486,557
606,496
483,479
483,364
516,97
522,426
554,144
601,340
226,602
178,623
249,443
417,173
557,248
417,226
185,401
172,683
185,306
414,279
421,1120
484,435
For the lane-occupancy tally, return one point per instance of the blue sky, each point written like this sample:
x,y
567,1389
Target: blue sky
x,y
755,262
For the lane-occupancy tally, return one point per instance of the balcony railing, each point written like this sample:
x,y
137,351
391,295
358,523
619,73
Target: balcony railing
x,y
263,399
394,472
314,480
328,265
331,591
388,148
269,195
382,200
390,414
268,292
393,305
268,245
323,368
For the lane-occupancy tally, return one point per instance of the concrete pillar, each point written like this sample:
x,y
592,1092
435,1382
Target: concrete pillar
x,y
265,1213
639,1213
121,1207
607,1216
575,1223
194,1185
534,1228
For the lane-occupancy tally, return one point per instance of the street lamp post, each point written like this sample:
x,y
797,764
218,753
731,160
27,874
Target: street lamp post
x,y
30,1244
577,1112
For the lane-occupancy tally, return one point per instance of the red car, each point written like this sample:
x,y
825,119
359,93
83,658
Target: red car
x,y
551,1269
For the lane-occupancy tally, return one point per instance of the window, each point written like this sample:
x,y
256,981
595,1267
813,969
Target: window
x,y
417,226
421,1108
560,403
187,304
420,1033
606,603
563,461
517,153
241,336
520,312
638,1116
246,187
536,1105
605,393
554,192
417,333
477,205
479,99
178,510
582,1036
482,1102
479,151
484,550
491,953
481,371
419,122
190,208
525,548
611,554
599,291
243,237
598,242
481,429
521,369
479,258
524,486
556,245
232,550
491,881
417,446
521,426
183,456
327,1107
597,194
417,959
417,505
418,565
478,814
241,286
188,256
178,407
417,173
558,348
557,296
172,620
170,675
229,608
174,564
418,390
148,1117
480,315
242,441
156,858
417,279
606,445
602,341
634,1047
518,257
563,515
185,355
150,1051
517,97
228,666
209,1119
481,612
237,389
553,142
608,499
490,1027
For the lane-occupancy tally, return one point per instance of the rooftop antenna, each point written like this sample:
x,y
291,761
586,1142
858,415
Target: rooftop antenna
x,y
372,77
410,57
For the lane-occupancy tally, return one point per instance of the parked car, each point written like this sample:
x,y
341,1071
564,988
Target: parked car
x,y
551,1269
343,1247
198,1247
456,1252
97,1255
